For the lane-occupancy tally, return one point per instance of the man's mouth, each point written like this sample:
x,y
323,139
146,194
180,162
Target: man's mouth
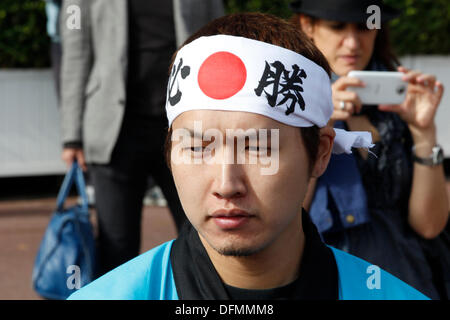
x,y
231,219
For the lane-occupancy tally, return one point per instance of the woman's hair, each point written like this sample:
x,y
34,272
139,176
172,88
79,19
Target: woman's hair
x,y
272,30
382,51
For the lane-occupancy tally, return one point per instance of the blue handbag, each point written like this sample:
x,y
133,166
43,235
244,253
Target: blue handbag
x,y
66,257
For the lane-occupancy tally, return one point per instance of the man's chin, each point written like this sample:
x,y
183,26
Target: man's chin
x,y
237,249
233,246
237,252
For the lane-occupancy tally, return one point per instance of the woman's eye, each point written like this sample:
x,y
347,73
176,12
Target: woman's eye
x,y
337,26
362,27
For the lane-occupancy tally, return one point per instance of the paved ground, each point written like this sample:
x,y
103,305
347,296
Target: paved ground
x,y
22,225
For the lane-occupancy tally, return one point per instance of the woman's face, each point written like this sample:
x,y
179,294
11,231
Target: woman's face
x,y
346,46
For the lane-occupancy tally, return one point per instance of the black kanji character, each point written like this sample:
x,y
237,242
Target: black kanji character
x,y
185,71
284,82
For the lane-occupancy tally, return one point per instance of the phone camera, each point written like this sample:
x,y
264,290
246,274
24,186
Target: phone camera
x,y
401,89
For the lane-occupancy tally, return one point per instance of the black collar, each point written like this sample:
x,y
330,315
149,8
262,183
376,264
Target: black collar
x,y
197,279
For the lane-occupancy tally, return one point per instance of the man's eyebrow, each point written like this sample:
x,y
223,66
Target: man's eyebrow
x,y
196,134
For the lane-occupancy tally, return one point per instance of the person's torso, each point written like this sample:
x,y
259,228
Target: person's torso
x,y
150,277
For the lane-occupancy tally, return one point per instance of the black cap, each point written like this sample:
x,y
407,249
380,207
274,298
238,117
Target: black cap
x,y
343,10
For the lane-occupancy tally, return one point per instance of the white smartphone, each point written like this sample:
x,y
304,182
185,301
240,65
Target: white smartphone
x,y
382,87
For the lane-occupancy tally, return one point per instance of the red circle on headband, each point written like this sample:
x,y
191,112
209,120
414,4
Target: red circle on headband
x,y
222,75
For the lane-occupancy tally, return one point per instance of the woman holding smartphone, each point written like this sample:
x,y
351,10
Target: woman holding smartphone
x,y
396,196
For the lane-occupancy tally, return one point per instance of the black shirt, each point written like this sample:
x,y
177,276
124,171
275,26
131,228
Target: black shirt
x,y
197,279
151,45
280,293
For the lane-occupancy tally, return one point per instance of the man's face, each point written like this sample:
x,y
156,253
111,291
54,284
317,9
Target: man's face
x,y
235,208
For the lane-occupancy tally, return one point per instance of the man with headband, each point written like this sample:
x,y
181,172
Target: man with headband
x,y
249,92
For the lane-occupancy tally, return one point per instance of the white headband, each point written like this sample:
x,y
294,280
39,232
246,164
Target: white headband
x,y
231,73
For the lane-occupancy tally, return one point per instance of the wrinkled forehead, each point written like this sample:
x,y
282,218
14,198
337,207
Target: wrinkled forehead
x,y
223,120
201,123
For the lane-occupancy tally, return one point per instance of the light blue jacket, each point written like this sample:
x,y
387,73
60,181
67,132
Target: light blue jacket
x,y
149,277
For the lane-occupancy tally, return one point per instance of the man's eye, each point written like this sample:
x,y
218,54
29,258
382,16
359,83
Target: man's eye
x,y
197,149
193,149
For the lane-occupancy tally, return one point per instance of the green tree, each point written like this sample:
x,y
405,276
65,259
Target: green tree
x,y
422,28
23,39
276,7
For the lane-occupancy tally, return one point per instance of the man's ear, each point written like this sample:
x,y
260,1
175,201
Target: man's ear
x,y
306,23
326,142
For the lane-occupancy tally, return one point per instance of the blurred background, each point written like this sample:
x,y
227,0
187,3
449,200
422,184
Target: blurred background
x,y
31,169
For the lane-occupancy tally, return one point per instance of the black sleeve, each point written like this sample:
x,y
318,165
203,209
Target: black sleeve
x,y
73,144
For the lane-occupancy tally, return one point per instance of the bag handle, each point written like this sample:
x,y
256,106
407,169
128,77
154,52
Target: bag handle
x,y
75,174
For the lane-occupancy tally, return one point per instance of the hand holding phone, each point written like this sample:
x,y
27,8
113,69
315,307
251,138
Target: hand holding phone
x,y
381,87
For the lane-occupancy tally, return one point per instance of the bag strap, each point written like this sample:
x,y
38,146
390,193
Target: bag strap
x,y
75,174
81,186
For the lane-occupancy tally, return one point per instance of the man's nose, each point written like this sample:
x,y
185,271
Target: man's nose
x,y
230,182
